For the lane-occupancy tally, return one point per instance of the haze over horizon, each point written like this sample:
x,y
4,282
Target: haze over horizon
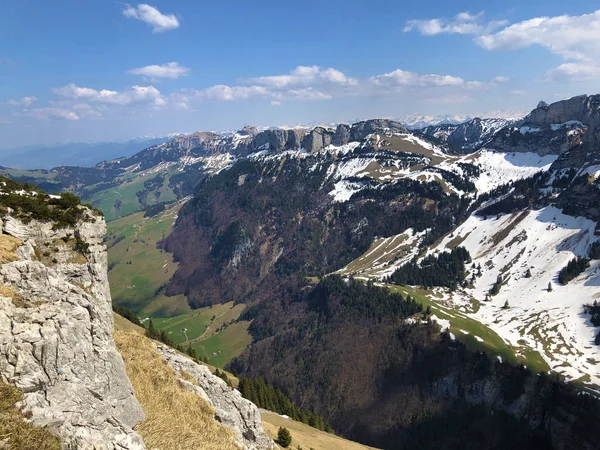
x,y
107,70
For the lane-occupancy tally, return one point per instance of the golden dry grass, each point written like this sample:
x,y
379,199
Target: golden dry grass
x,y
122,324
15,432
17,299
305,436
176,419
8,248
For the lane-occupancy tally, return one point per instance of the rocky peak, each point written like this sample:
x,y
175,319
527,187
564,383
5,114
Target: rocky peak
x,y
248,131
583,108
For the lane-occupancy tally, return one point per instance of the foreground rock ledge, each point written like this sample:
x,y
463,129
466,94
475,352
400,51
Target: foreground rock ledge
x,y
55,337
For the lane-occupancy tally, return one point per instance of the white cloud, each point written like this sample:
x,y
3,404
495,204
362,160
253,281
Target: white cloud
x,y
518,92
302,76
571,37
576,39
223,92
462,23
403,78
501,79
135,95
152,16
26,102
169,70
574,72
314,83
51,113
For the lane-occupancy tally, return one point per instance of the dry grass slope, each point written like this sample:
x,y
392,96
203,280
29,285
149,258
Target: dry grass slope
x,y
15,432
8,248
305,436
175,418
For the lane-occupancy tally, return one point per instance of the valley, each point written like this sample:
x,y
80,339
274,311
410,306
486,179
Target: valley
x,y
274,253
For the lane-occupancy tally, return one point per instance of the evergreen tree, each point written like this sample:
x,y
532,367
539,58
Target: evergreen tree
x,y
191,352
284,437
152,332
573,269
597,340
549,286
528,273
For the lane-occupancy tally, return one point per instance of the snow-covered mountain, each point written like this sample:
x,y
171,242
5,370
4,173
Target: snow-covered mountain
x,y
417,121
468,136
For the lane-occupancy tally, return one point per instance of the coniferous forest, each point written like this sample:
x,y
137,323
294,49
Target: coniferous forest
x,y
573,269
446,269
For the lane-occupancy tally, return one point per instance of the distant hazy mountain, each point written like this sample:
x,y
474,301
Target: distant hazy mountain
x,y
83,154
416,121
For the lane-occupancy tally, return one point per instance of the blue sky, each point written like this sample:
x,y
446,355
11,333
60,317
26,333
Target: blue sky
x,y
101,69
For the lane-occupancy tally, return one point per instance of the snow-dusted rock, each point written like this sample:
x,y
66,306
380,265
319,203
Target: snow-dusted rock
x,y
56,343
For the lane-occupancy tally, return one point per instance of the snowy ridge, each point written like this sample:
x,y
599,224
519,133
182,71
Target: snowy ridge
x,y
551,323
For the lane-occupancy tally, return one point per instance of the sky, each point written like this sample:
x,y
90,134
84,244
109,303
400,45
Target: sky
x,y
73,70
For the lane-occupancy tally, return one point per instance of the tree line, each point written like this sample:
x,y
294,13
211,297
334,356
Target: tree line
x,y
266,396
573,269
446,269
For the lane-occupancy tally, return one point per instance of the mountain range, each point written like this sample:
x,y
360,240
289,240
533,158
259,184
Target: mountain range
x,y
395,280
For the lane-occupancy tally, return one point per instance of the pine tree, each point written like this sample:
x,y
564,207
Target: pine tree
x,y
597,340
549,286
152,332
284,437
528,273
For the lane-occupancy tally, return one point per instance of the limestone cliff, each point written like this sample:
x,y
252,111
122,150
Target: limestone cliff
x,y
55,334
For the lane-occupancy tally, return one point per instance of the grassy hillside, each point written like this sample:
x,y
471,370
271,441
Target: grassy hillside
x,y
138,273
138,269
212,331
131,194
305,436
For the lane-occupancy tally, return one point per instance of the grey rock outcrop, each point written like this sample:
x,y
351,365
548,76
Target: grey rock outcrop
x,y
55,337
231,409
474,134
554,129
319,137
276,140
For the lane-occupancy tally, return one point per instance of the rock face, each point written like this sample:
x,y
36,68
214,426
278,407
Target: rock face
x,y
231,409
320,137
474,134
55,337
554,129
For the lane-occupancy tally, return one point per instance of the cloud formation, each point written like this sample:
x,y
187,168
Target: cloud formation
x,y
302,76
573,38
302,83
152,16
148,95
25,101
315,83
51,113
170,70
462,23
576,39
